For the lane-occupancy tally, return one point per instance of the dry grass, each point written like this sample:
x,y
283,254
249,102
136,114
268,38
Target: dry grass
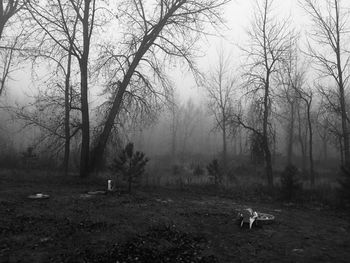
x,y
70,228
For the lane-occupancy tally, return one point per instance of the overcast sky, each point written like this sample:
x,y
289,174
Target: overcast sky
x,y
238,14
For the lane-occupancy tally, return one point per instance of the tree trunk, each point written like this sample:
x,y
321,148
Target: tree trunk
x,y
224,147
85,125
173,133
268,167
325,150
267,152
240,143
341,151
66,119
344,127
311,159
83,64
290,137
301,142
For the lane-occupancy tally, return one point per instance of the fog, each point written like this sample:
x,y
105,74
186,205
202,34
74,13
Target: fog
x,y
176,123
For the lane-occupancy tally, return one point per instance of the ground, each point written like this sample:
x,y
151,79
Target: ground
x,y
157,225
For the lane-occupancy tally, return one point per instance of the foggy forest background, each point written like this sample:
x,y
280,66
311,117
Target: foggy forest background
x,y
80,79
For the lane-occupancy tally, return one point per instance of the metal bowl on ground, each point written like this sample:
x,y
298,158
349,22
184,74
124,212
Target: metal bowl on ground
x,y
265,218
38,196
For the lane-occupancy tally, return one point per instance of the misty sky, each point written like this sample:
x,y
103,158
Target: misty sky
x,y
238,15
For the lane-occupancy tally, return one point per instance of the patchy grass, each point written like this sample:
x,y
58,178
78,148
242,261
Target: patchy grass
x,y
194,224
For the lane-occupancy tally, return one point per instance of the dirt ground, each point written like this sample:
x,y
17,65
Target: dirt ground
x,y
156,225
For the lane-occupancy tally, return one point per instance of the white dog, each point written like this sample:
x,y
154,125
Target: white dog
x,y
248,216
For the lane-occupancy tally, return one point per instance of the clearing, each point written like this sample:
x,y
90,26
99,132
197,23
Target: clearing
x,y
156,225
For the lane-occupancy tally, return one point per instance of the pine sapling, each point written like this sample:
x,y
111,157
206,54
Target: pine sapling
x,y
130,165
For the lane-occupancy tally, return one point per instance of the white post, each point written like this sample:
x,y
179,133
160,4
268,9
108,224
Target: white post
x,y
109,185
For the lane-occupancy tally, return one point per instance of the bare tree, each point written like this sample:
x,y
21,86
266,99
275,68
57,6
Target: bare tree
x,y
330,113
269,46
46,113
307,96
7,10
324,128
302,134
11,42
166,29
70,25
330,35
220,86
288,78
188,120
7,56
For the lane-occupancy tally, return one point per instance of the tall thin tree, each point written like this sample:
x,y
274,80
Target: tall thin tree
x,y
330,35
269,43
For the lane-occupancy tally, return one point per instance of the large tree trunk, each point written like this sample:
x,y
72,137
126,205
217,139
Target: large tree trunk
x,y
268,167
301,142
266,147
344,126
83,64
67,112
97,154
85,125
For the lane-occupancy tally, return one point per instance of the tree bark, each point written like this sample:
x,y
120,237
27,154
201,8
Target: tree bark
x,y
67,113
85,124
267,152
311,159
301,142
83,64
224,146
290,137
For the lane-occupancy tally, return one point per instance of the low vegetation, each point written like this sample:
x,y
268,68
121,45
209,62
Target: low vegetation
x,y
196,223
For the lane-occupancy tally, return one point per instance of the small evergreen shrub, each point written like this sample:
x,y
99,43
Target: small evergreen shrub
x,y
130,164
290,182
214,171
